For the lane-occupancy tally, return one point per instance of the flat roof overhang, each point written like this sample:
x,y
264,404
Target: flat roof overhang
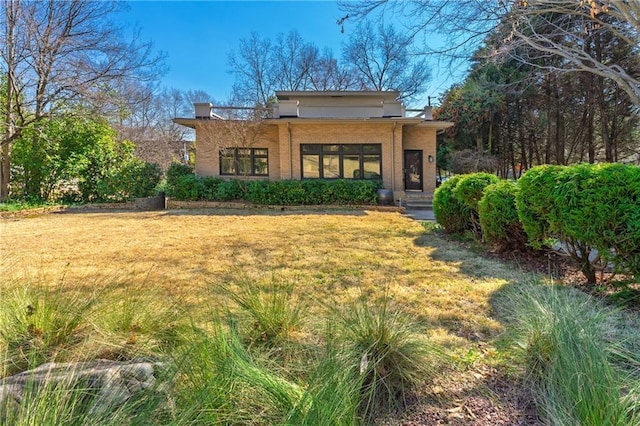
x,y
418,122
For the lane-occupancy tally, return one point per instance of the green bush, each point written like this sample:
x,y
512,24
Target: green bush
x,y
499,221
186,187
470,188
176,170
285,192
451,214
534,203
594,210
600,206
228,190
134,179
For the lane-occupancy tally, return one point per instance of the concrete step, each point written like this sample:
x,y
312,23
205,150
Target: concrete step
x,y
418,205
418,200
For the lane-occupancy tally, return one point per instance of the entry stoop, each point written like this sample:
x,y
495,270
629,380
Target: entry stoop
x,y
418,200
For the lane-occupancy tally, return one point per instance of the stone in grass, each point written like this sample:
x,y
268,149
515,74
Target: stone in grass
x,y
112,382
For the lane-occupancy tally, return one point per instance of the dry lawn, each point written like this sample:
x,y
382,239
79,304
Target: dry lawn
x,y
332,257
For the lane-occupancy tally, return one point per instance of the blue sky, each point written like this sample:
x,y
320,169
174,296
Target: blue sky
x,y
197,36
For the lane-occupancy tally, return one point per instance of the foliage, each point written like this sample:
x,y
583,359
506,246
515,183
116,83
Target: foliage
x,y
534,204
567,341
470,188
586,207
453,215
386,349
284,192
133,179
600,205
175,171
272,308
54,157
498,215
56,152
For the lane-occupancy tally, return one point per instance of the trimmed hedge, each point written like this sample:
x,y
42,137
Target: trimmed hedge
x,y
470,188
453,215
285,192
534,204
499,220
587,207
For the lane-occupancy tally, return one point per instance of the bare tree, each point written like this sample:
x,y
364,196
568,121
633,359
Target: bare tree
x,y
327,74
253,69
293,60
381,60
57,55
531,30
262,66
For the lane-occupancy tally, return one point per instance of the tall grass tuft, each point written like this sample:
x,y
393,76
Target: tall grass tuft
x,y
39,325
388,352
333,392
218,382
272,307
568,342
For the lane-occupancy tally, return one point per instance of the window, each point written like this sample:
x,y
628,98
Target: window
x,y
244,161
345,161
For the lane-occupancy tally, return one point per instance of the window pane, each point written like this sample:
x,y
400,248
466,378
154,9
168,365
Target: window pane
x,y
372,167
260,152
244,164
351,166
351,149
310,149
331,166
227,165
330,148
372,149
260,166
311,166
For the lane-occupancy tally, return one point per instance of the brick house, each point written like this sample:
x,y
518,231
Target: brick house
x,y
324,135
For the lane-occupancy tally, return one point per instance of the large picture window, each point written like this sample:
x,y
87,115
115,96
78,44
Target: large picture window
x,y
244,162
341,161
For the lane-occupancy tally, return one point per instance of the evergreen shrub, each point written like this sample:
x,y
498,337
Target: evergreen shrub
x,y
285,192
450,213
470,188
499,220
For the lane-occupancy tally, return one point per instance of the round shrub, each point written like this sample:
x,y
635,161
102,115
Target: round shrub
x,y
600,206
535,204
499,221
470,188
176,170
450,213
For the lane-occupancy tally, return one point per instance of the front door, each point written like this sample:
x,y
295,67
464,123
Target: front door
x,y
413,170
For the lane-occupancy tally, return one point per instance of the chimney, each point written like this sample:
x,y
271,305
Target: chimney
x,y
428,113
204,110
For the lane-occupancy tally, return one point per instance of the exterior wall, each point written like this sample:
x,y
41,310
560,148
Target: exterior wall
x,y
283,140
208,149
336,133
421,138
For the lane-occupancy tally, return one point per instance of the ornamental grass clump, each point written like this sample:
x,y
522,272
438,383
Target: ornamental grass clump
x,y
567,341
272,308
389,353
40,325
219,382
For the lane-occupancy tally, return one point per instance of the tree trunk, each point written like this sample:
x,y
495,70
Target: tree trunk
x,y
8,120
